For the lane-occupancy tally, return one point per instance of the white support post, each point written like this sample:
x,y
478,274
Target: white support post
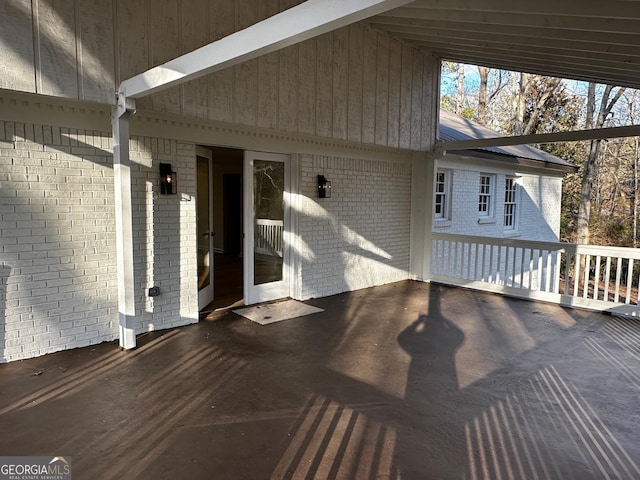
x,y
423,171
431,120
124,224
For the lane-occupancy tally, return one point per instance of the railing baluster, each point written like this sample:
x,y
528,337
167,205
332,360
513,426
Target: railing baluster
x,y
538,278
629,280
452,246
473,247
523,260
618,273
638,291
466,255
495,269
530,285
596,280
548,287
499,275
585,286
567,280
556,270
607,278
486,263
434,256
576,274
446,249
517,273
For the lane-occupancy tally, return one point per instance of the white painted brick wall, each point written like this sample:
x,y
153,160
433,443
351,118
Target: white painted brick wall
x,y
164,235
539,207
360,236
57,240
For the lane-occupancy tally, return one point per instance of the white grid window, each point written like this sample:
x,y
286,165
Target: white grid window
x,y
485,197
442,196
510,203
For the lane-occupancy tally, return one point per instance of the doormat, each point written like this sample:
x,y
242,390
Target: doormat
x,y
276,312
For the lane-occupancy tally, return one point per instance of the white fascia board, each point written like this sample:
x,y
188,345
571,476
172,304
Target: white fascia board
x,y
300,23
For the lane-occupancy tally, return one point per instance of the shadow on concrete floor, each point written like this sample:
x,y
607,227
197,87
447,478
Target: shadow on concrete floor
x,y
409,380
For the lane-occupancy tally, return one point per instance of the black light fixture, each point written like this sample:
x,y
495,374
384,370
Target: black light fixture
x,y
324,187
168,180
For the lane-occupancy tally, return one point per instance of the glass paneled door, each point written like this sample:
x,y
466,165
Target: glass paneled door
x,y
204,195
267,219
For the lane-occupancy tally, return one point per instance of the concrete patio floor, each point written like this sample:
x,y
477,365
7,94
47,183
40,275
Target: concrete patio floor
x,y
408,380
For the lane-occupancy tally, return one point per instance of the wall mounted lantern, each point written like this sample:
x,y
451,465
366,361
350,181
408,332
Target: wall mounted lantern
x,y
168,180
324,187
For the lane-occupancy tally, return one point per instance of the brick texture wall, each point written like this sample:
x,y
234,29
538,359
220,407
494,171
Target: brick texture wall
x,y
58,274
360,236
538,204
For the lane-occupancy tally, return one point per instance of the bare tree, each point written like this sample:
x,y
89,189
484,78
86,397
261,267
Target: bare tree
x,y
460,96
525,85
550,87
484,98
588,167
636,161
520,104
634,143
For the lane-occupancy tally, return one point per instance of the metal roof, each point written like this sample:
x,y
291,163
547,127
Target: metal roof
x,y
590,40
452,128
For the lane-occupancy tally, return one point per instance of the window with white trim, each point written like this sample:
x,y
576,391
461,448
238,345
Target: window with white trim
x,y
485,196
510,203
442,195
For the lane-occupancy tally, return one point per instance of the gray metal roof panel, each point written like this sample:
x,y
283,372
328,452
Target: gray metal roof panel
x,y
452,127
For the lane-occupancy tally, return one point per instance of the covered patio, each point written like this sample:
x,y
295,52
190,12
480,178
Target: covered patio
x,y
408,380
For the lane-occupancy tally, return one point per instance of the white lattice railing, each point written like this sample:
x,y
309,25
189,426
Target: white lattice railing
x,y
588,276
269,237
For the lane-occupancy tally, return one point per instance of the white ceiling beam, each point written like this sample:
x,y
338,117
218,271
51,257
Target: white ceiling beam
x,y
538,138
304,21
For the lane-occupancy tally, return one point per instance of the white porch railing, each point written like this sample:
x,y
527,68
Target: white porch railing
x,y
269,237
587,276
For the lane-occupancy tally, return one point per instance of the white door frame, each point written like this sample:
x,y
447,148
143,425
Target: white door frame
x,y
274,290
205,295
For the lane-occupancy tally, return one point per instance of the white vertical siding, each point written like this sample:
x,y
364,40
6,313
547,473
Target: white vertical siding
x,y
17,68
354,83
195,33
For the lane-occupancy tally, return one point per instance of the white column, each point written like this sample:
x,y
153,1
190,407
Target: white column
x,y
423,171
124,224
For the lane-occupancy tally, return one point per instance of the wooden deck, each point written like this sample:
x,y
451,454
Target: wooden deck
x,y
404,381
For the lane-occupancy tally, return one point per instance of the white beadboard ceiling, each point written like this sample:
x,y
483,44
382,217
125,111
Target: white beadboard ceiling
x,y
590,40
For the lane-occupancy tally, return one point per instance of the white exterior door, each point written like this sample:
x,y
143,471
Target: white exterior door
x,y
267,225
204,195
